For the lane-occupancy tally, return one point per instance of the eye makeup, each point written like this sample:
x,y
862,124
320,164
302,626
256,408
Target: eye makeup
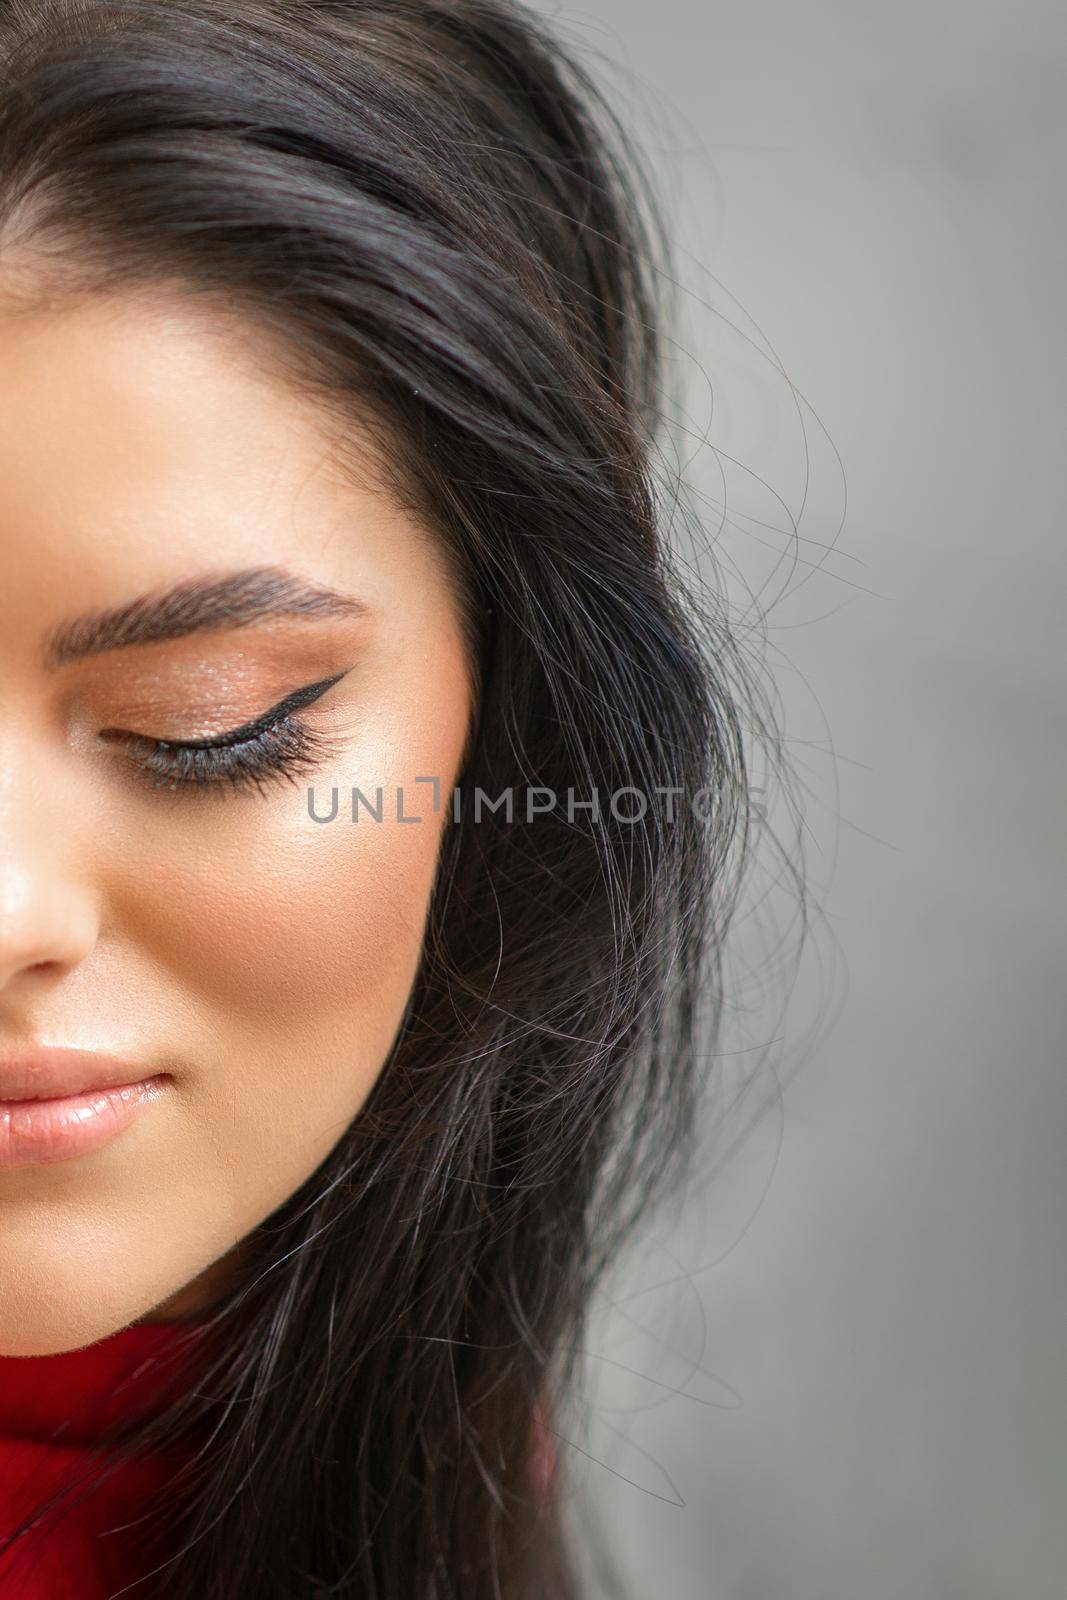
x,y
278,746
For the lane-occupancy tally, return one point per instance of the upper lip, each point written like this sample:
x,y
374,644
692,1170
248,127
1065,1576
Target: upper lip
x,y
51,1072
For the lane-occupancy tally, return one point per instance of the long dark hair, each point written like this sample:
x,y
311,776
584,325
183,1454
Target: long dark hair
x,y
433,207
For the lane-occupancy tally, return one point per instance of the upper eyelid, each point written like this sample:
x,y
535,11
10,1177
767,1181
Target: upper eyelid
x,y
248,730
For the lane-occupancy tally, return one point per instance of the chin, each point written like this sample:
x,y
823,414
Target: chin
x,y
42,1334
46,1312
32,1326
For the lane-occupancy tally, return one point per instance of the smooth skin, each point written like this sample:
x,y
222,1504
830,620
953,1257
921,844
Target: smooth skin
x,y
260,959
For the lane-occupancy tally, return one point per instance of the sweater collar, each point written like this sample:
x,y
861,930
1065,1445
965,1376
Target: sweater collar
x,y
72,1394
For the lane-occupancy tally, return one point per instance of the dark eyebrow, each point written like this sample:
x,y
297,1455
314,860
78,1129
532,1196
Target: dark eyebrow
x,y
221,600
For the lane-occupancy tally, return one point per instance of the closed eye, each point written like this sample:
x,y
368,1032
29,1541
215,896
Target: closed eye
x,y
277,744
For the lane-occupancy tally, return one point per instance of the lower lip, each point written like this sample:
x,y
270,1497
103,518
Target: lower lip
x,y
37,1132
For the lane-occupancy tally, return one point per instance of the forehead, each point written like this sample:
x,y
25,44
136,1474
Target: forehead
x,y
142,435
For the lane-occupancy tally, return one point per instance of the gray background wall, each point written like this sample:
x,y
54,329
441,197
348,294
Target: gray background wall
x,y
845,1359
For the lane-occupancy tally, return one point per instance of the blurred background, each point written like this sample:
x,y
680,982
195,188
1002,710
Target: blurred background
x,y
838,1372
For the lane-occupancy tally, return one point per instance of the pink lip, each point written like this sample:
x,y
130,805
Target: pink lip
x,y
56,1103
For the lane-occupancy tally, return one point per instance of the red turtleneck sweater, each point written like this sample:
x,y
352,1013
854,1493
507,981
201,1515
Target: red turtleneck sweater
x,y
51,1411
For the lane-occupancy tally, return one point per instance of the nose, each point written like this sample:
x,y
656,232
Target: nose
x,y
48,915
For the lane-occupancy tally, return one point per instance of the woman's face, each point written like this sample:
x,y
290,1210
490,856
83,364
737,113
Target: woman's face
x,y
253,961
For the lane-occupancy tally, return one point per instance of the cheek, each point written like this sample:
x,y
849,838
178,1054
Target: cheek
x,y
286,949
278,928
300,983
322,929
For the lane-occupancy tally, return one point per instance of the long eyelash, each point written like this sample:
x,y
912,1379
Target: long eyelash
x,y
280,753
277,747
